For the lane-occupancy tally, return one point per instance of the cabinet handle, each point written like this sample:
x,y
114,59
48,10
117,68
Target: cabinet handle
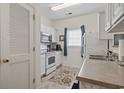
x,y
5,60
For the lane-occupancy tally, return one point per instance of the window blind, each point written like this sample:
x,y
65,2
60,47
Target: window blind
x,y
74,37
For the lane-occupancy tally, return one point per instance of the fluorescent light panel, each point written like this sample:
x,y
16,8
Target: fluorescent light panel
x,y
61,6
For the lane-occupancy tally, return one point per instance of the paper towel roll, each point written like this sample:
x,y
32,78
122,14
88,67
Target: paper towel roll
x,y
121,50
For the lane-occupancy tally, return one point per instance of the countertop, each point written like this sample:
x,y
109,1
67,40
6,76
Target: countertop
x,y
100,72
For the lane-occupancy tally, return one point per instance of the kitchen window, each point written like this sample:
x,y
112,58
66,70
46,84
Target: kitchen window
x,y
74,37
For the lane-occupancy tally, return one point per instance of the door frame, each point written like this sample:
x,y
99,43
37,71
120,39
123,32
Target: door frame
x,y
37,21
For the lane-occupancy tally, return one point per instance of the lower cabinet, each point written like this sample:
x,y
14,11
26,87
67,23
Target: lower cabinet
x,y
42,57
58,58
86,85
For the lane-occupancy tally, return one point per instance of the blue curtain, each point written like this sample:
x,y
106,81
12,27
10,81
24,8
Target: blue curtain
x,y
82,30
82,41
65,42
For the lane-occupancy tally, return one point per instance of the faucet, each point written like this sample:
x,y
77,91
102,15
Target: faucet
x,y
109,53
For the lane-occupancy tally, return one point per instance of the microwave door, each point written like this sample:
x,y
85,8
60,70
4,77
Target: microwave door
x,y
45,38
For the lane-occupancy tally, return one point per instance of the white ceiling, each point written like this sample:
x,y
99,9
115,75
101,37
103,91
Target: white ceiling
x,y
76,10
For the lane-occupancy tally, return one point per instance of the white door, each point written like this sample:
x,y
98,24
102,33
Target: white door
x,y
16,45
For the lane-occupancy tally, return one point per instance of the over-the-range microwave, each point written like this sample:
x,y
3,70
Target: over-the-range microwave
x,y
45,37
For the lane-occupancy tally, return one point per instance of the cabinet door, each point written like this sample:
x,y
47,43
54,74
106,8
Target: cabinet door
x,y
108,17
86,85
101,25
58,58
47,29
117,11
53,35
42,64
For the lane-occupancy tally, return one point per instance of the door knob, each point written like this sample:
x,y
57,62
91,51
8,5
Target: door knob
x,y
5,60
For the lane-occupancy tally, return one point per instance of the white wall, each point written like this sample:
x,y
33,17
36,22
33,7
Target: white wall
x,y
93,44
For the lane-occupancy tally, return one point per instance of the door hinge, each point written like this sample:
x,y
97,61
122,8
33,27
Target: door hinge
x,y
33,80
33,16
34,49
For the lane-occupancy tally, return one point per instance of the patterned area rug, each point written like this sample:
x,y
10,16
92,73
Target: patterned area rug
x,y
62,78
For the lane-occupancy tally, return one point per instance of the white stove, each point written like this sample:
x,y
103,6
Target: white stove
x,y
50,62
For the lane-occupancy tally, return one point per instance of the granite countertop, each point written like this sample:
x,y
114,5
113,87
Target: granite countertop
x,y
102,73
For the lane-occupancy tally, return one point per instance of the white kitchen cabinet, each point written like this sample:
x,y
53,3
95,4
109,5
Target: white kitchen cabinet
x,y
48,30
117,11
58,58
114,18
108,16
45,24
52,31
54,37
42,66
101,27
43,28
87,85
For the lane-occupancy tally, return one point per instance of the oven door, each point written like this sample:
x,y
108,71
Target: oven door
x,y
50,61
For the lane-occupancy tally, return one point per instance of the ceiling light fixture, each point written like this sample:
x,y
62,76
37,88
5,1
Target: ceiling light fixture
x,y
61,6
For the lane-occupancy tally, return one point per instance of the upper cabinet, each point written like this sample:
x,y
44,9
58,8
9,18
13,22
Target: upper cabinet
x,y
114,17
117,11
54,35
101,27
49,30
52,31
108,17
46,27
